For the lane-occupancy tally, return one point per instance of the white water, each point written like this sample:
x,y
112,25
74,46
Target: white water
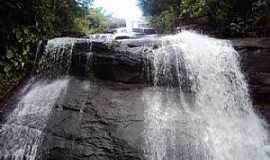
x,y
20,135
57,58
210,116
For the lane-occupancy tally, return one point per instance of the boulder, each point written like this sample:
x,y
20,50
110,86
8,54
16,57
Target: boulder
x,y
101,118
95,120
128,62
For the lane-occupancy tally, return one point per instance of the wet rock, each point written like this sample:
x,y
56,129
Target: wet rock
x,y
121,64
131,62
119,67
247,43
255,58
95,120
104,120
255,62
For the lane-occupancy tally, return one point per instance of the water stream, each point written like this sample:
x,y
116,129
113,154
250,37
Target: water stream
x,y
210,113
198,108
21,133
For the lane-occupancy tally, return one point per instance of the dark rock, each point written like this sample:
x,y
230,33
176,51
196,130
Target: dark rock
x,y
129,63
121,64
247,43
118,67
104,120
80,64
82,46
95,120
255,58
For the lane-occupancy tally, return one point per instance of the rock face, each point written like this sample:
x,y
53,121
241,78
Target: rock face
x,y
255,61
123,64
128,63
98,119
95,120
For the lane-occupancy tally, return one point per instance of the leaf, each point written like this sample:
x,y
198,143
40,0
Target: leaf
x,y
7,69
9,54
22,64
24,52
15,63
25,30
2,63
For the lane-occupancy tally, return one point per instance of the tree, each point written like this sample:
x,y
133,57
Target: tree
x,y
24,22
233,17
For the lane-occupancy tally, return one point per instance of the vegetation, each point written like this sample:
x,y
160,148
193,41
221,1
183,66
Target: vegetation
x,y
97,21
232,17
112,45
25,22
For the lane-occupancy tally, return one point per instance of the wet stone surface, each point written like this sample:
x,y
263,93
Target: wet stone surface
x,y
104,120
95,121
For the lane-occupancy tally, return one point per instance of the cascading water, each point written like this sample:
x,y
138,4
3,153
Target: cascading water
x,y
210,115
19,135
198,109
21,131
58,56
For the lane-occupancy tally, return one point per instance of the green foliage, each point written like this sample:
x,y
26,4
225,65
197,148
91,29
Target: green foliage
x,y
97,21
24,22
155,7
165,22
112,45
240,18
233,17
193,8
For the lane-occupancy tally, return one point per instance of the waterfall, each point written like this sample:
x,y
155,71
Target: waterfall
x,y
59,52
196,107
210,115
22,130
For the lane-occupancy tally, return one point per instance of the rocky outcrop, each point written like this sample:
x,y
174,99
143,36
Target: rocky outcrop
x,y
95,120
122,64
128,63
255,62
125,63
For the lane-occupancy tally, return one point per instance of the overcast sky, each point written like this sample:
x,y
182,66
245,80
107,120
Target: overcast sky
x,y
127,9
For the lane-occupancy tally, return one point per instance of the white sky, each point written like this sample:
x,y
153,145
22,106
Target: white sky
x,y
127,9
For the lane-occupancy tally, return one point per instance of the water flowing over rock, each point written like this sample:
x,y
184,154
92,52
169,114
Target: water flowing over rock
x,y
60,54
255,57
156,98
21,132
218,121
